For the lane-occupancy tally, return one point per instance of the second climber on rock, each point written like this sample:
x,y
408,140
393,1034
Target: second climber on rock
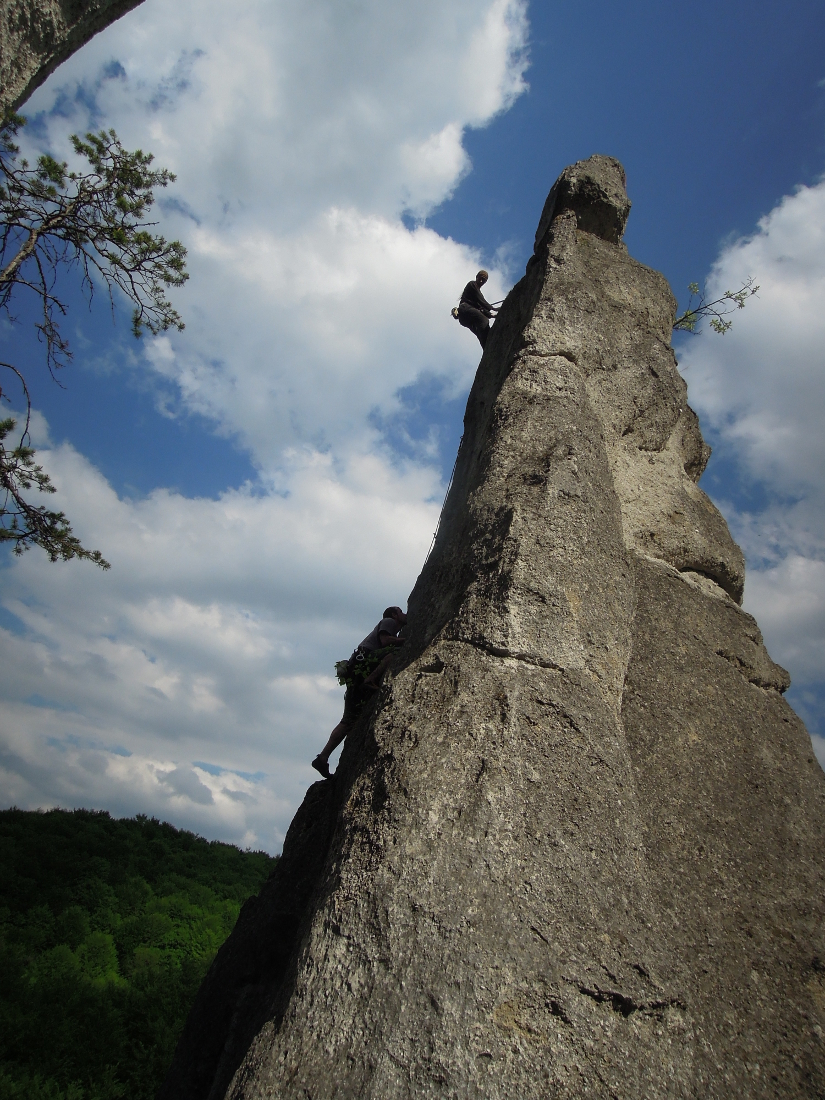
x,y
362,675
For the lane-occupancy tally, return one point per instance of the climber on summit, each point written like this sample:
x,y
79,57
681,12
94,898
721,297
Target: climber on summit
x,y
474,311
362,675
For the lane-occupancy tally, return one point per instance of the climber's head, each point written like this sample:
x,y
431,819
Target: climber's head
x,y
481,278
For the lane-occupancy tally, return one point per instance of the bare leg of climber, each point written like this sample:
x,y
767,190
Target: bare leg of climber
x,y
321,761
353,701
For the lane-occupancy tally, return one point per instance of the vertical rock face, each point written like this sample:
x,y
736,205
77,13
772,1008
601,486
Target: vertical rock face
x,y
36,35
576,847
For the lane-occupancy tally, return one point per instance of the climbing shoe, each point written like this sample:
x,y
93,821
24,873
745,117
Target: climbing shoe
x,y
322,766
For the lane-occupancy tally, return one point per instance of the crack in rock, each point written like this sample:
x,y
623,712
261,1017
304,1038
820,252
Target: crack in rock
x,y
500,651
625,1005
750,674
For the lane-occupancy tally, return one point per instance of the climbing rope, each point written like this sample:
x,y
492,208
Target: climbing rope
x,y
443,506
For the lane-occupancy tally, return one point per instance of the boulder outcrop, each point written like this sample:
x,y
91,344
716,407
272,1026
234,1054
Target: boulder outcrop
x,y
36,35
575,849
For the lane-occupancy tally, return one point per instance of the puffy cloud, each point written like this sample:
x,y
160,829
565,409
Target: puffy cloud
x,y
790,600
211,640
300,133
297,339
761,390
272,112
761,386
194,680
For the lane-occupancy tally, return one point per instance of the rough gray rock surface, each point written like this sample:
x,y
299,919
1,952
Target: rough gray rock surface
x,y
36,35
576,847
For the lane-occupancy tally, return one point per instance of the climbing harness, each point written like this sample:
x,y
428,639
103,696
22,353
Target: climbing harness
x,y
455,309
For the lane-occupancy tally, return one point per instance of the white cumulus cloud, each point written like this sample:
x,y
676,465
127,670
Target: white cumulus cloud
x,y
761,390
194,680
211,640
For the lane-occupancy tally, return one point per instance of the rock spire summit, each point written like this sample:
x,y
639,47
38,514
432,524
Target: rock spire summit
x,y
576,847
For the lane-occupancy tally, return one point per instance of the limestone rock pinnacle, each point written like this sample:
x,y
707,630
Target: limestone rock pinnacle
x,y
594,189
576,846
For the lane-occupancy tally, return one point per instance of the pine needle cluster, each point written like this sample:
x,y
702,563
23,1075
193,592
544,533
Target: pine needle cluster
x,y
94,221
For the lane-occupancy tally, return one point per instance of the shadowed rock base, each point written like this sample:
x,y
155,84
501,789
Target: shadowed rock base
x,y
575,848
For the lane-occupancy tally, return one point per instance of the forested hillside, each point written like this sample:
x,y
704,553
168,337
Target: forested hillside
x,y
106,930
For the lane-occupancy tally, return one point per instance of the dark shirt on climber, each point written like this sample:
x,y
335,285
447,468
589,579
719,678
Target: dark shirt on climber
x,y
388,628
472,296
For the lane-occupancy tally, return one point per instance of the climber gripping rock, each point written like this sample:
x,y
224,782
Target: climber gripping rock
x,y
474,311
362,675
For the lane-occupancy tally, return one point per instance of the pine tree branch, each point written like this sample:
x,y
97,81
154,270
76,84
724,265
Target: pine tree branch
x,y
54,218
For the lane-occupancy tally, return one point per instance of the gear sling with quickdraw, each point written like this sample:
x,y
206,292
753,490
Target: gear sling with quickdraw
x,y
353,672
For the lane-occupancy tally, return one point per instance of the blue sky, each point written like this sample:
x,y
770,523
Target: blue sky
x,y
267,481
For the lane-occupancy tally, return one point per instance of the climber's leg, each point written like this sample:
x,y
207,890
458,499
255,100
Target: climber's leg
x,y
475,321
354,699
